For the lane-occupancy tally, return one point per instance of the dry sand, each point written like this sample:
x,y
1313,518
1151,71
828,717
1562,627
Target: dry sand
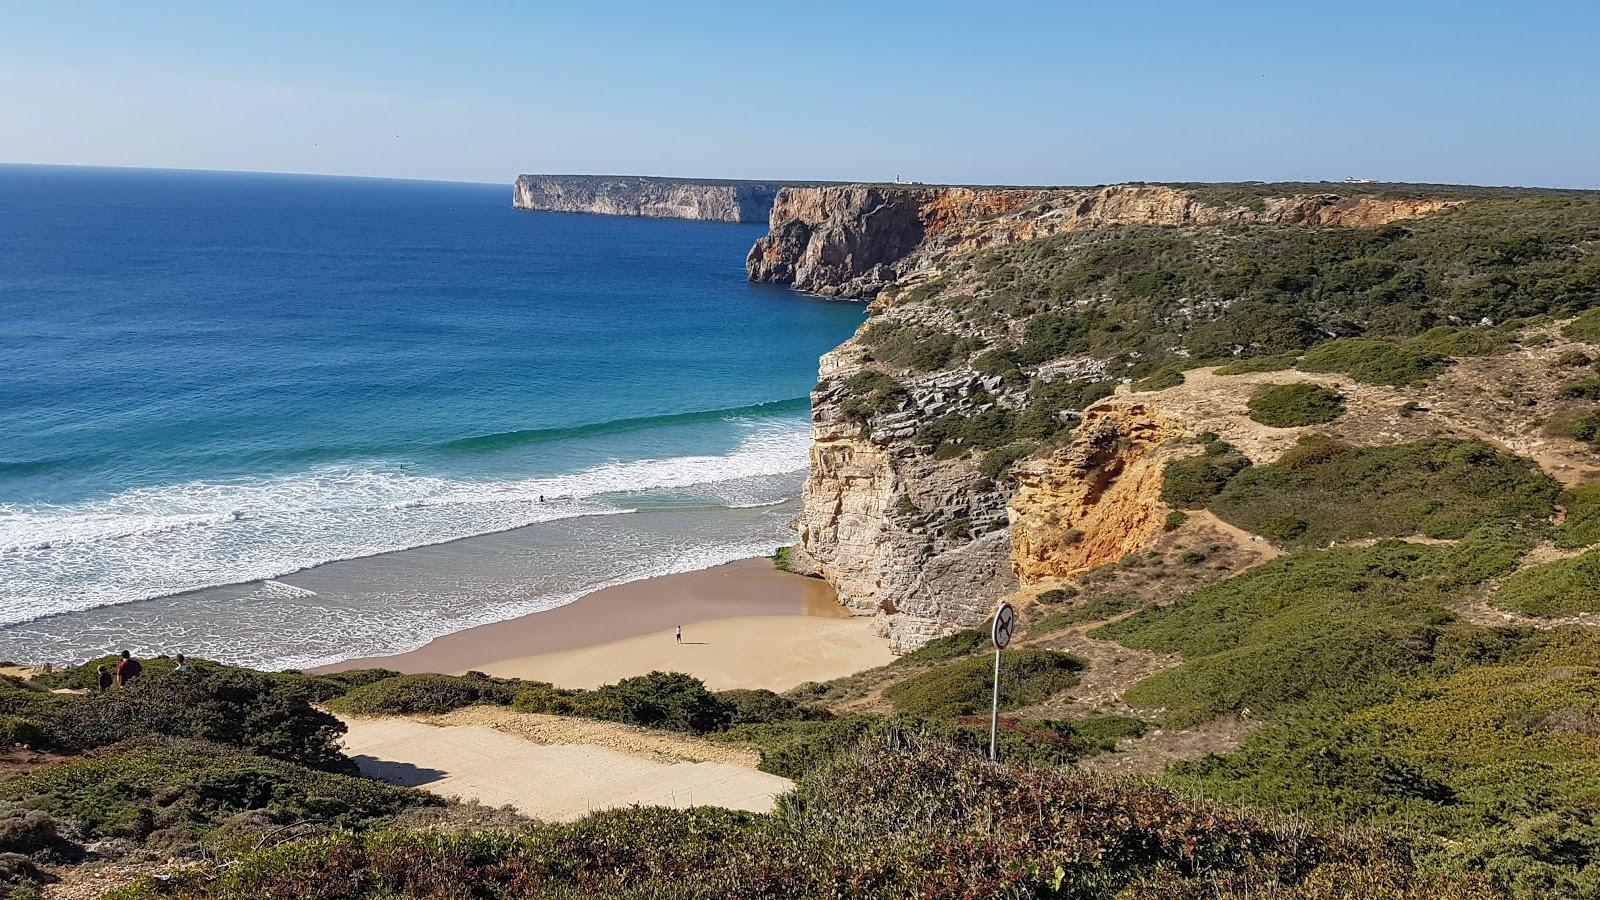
x,y
745,624
553,782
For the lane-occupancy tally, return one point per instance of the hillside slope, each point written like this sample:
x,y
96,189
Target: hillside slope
x,y
949,467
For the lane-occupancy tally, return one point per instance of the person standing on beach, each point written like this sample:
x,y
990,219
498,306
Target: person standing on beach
x,y
679,635
103,678
128,669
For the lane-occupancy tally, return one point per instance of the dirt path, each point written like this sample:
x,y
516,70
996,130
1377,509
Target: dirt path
x,y
548,781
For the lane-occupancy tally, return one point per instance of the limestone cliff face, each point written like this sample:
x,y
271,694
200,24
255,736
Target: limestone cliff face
x,y
856,240
917,542
632,195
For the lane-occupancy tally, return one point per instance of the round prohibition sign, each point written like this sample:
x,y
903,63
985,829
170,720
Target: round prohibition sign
x,y
1005,622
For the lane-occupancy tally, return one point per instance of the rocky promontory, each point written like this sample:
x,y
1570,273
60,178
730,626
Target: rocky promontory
x,y
713,200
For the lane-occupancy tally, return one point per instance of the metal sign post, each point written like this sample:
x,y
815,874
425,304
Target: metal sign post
x,y
1005,621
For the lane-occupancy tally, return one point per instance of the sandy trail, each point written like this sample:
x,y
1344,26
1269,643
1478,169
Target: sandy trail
x,y
552,782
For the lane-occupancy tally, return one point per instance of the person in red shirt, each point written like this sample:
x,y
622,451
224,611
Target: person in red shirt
x,y
128,669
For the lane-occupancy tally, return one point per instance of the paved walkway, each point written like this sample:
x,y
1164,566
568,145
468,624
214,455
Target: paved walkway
x,y
556,782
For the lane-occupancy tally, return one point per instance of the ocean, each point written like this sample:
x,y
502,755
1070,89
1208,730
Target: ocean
x,y
284,420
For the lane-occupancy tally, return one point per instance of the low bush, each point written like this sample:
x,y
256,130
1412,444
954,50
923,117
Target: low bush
x,y
1323,490
1582,389
672,701
186,789
997,463
1332,625
1097,610
1447,340
1192,482
916,347
1160,380
782,559
1584,328
1375,361
870,393
404,695
963,688
930,822
1559,588
1295,405
956,645
1174,520
1581,527
261,712
1251,365
1057,595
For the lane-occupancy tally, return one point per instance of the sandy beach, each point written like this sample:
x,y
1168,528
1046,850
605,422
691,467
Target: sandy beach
x,y
745,624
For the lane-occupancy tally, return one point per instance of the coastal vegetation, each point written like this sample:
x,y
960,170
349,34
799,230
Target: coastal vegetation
x,y
1295,405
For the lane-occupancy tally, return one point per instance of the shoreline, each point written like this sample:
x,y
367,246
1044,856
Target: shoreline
x,y
745,624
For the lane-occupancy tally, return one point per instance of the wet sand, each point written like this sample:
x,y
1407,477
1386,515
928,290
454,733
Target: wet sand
x,y
745,624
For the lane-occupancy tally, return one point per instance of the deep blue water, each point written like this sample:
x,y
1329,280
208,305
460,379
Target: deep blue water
x,y
211,378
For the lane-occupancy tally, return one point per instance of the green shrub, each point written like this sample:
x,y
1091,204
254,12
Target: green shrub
x,y
1057,595
870,393
997,462
1574,359
752,706
782,559
1582,389
1447,340
189,788
24,732
916,347
1099,609
1192,482
1373,361
1584,328
951,646
963,688
1323,490
1253,364
1295,405
1175,520
1581,528
404,695
1580,428
1162,379
265,713
1558,588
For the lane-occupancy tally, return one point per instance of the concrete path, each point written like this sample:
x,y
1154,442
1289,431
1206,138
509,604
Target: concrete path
x,y
555,783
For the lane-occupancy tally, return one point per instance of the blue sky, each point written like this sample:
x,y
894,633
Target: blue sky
x,y
1023,93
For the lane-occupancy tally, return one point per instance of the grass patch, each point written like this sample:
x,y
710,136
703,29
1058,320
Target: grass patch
x,y
1295,405
1323,490
963,688
782,559
1559,588
951,646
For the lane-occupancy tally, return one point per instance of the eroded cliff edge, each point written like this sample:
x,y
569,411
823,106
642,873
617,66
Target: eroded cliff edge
x,y
979,436
637,195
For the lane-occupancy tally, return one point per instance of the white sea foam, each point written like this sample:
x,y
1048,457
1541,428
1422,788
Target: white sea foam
x,y
156,541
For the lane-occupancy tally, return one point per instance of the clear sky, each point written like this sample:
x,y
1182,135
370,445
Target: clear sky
x,y
995,92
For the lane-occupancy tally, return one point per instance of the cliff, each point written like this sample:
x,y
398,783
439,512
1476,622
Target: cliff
x,y
856,240
978,437
635,195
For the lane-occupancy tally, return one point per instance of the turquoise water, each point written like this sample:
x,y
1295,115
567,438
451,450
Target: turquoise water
x,y
212,379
